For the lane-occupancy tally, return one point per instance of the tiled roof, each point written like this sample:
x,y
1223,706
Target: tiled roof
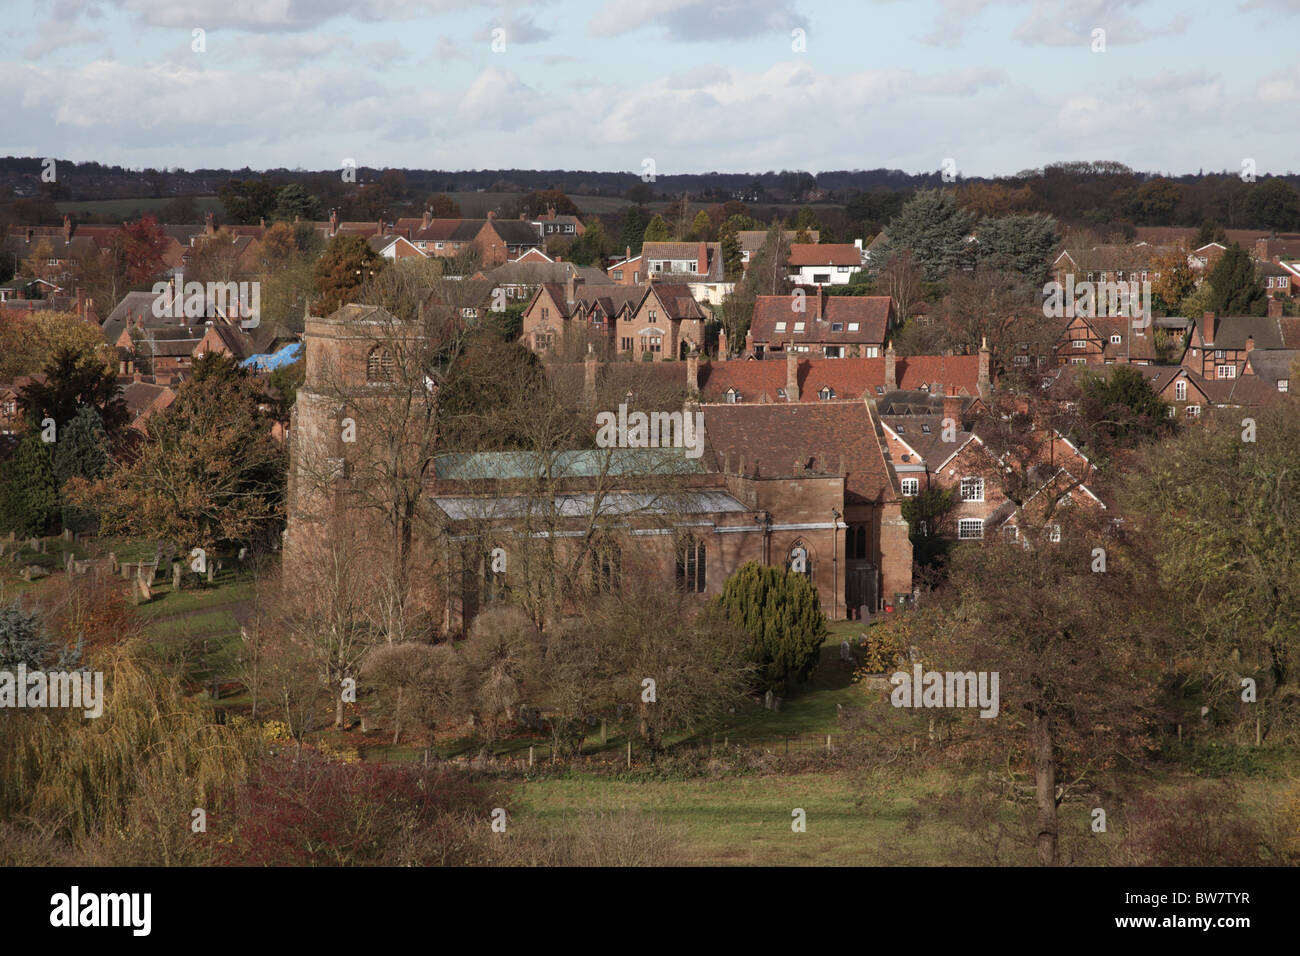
x,y
824,254
821,313
771,438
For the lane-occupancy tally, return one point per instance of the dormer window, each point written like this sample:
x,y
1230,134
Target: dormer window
x,y
826,393
732,396
925,429
780,326
1283,384
1116,339
798,326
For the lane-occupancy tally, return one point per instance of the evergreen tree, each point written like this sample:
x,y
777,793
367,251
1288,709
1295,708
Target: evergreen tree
x,y
1237,291
657,231
1024,244
933,226
701,228
80,452
781,612
632,228
28,495
72,380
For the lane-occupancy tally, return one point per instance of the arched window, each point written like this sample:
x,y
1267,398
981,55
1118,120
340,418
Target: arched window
x,y
799,559
494,576
379,365
855,542
691,564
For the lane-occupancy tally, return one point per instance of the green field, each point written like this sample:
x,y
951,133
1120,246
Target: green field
x,y
133,207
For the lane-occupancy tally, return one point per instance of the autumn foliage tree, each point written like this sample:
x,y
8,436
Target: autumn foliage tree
x,y
209,474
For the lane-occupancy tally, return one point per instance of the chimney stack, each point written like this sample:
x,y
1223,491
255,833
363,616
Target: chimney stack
x,y
952,405
693,370
426,220
67,228
702,255
492,214
210,224
891,368
985,384
1209,321
568,289
261,222
791,375
1274,308
334,221
121,369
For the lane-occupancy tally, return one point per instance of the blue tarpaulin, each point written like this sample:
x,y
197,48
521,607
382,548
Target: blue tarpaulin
x,y
269,363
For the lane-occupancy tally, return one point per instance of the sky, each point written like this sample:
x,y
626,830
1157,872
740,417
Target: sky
x,y
993,86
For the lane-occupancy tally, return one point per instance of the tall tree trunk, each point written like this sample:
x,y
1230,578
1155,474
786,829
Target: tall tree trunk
x,y
1045,780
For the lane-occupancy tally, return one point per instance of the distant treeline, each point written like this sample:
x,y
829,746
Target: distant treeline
x,y
1107,195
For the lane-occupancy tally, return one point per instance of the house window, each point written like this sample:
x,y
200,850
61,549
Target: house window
x,y
690,565
546,313
911,486
1226,371
1078,344
627,344
654,316
732,396
1283,384
853,326
969,529
1116,339
1011,533
379,365
654,344
821,278
1078,361
873,351
780,326
833,351
780,393
826,393
842,269
1054,533
618,273
925,429
1180,391
1218,353
972,489
837,326
1193,411
1021,360
606,562
798,326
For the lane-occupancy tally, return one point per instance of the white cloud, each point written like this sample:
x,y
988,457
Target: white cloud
x,y
699,20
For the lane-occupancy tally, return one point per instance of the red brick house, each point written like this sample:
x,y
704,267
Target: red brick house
x,y
840,326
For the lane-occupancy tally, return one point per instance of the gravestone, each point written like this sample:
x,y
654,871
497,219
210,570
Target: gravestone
x,y
768,698
177,571
845,653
